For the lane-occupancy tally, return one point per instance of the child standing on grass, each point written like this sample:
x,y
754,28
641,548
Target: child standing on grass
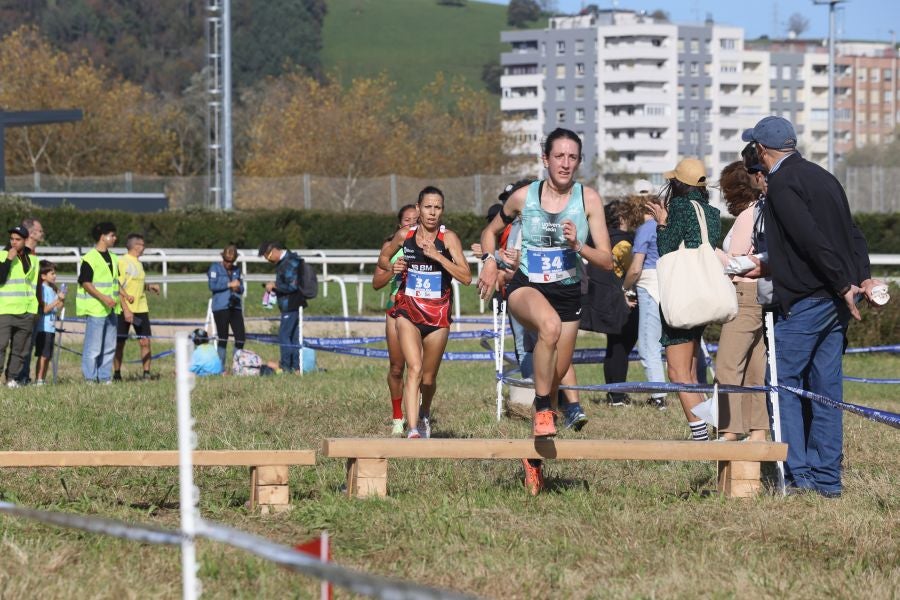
x,y
50,301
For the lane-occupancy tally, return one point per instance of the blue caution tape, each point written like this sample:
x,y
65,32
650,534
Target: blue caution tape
x,y
872,414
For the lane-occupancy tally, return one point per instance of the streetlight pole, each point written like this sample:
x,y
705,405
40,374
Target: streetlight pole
x,y
831,5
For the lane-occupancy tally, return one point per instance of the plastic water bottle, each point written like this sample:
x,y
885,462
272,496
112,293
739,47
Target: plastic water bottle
x,y
62,288
265,300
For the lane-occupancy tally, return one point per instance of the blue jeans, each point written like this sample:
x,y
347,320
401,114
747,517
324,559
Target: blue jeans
x,y
649,332
526,360
289,339
99,347
809,346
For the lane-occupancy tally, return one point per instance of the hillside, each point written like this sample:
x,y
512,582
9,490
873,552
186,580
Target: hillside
x,y
411,40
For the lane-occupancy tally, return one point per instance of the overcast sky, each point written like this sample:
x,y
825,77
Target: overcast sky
x,y
855,19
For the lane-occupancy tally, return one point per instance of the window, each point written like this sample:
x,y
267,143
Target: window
x,y
579,69
681,136
680,114
681,45
560,48
727,44
819,114
861,75
707,92
560,94
706,68
579,92
655,134
785,94
680,91
680,68
695,68
560,71
560,116
655,110
842,114
579,46
579,115
695,46
773,72
874,75
728,67
630,134
861,98
695,92
695,137
629,156
887,95
695,114
656,42
874,97
786,73
888,74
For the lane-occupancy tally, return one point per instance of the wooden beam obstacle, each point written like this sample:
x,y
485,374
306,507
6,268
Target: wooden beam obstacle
x,y
739,463
268,468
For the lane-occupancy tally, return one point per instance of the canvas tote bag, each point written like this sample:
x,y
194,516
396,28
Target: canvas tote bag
x,y
693,287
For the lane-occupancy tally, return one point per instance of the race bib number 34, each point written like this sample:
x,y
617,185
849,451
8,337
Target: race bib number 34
x,y
546,265
421,284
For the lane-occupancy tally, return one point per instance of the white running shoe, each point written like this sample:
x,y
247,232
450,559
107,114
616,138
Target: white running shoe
x,y
397,429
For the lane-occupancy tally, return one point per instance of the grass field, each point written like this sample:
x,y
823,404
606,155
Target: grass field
x,y
603,530
411,40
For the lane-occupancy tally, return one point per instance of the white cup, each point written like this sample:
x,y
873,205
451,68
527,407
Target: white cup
x,y
880,295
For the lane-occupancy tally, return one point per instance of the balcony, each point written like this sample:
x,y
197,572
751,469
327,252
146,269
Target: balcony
x,y
635,121
635,74
639,143
625,51
521,103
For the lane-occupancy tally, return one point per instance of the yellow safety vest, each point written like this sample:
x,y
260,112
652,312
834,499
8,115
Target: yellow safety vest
x,y
106,282
17,295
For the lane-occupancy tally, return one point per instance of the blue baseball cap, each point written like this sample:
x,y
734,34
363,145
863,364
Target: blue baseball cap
x,y
772,132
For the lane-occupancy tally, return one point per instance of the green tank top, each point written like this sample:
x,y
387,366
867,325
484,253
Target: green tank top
x,y
395,281
546,256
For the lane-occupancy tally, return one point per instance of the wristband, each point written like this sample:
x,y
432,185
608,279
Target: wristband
x,y
579,248
486,256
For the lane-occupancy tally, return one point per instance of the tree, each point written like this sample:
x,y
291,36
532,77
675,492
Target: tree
x,y
303,126
121,130
277,35
797,24
660,15
520,12
490,75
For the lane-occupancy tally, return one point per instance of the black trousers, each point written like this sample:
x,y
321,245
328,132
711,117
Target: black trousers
x,y
618,347
233,318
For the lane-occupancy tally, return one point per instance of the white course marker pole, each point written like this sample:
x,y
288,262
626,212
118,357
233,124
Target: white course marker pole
x,y
501,335
188,495
324,541
773,395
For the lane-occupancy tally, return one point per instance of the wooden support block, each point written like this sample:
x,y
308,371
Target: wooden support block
x,y
366,477
273,494
271,475
739,479
268,489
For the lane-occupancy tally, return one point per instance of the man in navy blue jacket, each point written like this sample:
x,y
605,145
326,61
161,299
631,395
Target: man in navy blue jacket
x,y
287,288
819,263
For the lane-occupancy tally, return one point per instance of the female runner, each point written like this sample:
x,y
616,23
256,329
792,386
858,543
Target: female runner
x,y
545,293
432,257
405,217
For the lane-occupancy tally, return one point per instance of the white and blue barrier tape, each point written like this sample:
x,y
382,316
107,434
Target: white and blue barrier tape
x,y
872,414
354,581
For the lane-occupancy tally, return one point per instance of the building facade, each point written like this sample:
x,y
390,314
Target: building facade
x,y
643,92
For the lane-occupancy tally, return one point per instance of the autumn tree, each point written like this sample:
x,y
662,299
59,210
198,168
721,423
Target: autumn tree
x,y
303,126
122,127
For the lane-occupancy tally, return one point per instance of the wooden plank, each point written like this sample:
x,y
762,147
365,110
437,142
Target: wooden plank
x,y
558,449
155,458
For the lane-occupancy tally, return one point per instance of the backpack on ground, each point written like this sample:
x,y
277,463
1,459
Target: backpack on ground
x,y
246,362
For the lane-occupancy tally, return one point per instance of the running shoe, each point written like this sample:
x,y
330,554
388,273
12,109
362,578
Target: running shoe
x,y
543,425
575,417
397,429
534,476
425,427
657,402
413,434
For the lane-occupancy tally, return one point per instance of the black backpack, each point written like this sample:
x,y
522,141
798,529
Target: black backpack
x,y
309,280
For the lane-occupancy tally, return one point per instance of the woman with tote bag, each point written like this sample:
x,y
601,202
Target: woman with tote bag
x,y
681,231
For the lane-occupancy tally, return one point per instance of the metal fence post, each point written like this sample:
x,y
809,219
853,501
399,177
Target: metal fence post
x,y
394,207
307,192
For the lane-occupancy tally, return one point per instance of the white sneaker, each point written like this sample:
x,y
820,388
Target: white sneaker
x,y
413,434
425,427
12,383
39,382
397,429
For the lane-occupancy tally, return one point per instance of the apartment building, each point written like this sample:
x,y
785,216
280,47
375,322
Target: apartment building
x,y
643,92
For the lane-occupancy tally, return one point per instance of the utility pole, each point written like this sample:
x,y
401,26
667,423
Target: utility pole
x,y
831,6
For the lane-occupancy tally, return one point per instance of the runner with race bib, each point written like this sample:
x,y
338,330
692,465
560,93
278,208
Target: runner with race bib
x,y
432,258
545,293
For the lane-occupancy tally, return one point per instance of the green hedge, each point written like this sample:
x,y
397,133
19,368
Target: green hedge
x,y
66,226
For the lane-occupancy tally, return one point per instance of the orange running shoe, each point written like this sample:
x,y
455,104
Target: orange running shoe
x,y
534,477
543,425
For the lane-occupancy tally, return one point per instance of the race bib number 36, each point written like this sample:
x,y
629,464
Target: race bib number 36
x,y
421,284
546,265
